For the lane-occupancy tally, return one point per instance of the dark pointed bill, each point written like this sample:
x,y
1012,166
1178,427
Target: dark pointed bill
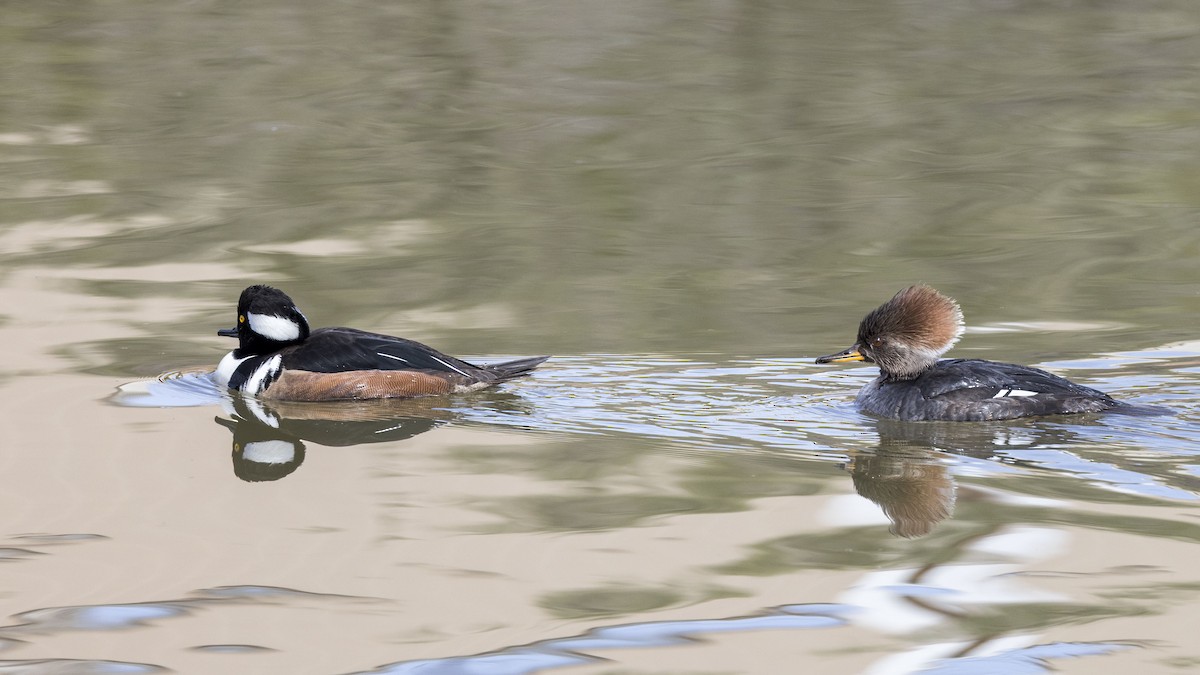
x,y
851,354
228,332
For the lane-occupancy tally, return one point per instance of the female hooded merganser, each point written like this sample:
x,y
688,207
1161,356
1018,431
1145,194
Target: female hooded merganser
x,y
906,335
279,358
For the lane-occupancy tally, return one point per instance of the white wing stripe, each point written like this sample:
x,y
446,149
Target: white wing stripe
x,y
449,366
389,356
1020,393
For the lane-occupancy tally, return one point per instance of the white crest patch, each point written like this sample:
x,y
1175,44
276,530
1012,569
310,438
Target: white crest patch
x,y
274,327
226,368
269,452
959,329
1004,393
258,380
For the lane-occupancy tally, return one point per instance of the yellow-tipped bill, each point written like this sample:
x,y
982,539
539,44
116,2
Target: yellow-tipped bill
x,y
851,354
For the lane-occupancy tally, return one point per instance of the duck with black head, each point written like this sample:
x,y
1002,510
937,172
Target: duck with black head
x,y
279,357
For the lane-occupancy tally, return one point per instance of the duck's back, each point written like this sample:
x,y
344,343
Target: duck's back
x,y
336,350
345,363
975,390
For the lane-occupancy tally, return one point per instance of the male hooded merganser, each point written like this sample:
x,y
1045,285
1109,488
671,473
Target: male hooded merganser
x,y
279,358
906,335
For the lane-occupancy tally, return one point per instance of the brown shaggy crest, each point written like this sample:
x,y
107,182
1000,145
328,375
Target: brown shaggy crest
x,y
918,315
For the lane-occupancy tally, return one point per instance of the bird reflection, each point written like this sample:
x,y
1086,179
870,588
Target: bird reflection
x,y
269,439
262,453
906,475
910,484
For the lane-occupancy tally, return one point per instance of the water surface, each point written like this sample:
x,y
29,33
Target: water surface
x,y
685,205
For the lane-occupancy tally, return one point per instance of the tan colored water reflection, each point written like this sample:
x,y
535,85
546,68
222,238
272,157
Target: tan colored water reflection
x,y
436,547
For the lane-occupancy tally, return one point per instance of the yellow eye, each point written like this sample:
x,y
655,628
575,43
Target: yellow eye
x,y
241,319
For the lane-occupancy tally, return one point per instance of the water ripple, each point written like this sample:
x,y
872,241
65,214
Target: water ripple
x,y
783,406
571,651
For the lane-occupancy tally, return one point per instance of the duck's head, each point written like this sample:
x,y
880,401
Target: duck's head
x,y
905,335
267,321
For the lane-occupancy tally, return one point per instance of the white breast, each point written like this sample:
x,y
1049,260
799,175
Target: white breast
x,y
226,368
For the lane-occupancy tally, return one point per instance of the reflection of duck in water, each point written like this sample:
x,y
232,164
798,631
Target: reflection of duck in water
x,y
279,358
262,453
906,335
907,475
268,441
912,486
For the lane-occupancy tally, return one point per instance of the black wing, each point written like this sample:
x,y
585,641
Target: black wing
x,y
976,389
332,350
987,379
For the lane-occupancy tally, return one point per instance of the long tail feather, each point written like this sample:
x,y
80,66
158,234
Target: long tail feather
x,y
515,368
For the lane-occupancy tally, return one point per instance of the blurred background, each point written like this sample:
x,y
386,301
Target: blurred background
x,y
685,202
609,177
